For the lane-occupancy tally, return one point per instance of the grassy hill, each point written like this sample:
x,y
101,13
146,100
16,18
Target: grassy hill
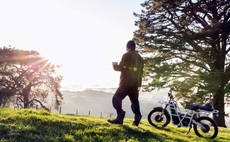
x,y
28,125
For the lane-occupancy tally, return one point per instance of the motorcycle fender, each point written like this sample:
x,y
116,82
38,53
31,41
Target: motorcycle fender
x,y
158,108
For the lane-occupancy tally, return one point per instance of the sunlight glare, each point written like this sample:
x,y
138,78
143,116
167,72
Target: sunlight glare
x,y
81,37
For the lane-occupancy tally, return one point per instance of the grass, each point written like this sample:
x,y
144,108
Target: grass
x,y
29,125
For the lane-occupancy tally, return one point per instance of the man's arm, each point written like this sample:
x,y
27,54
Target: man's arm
x,y
140,73
122,65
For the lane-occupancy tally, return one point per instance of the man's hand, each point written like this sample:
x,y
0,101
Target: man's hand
x,y
139,88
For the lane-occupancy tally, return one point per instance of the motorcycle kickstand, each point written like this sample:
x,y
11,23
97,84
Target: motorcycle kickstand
x,y
189,130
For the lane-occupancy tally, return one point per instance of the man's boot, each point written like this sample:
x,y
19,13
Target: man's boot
x,y
119,119
137,119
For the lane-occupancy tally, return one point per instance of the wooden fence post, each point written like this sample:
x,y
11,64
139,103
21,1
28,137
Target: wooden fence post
x,y
60,110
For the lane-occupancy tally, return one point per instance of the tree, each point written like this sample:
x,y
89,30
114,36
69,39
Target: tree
x,y
27,78
186,44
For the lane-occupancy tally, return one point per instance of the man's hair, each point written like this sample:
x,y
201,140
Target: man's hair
x,y
131,45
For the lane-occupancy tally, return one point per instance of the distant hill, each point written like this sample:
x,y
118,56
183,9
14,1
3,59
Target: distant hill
x,y
99,101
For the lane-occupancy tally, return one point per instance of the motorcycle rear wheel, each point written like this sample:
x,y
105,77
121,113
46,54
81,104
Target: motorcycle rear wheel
x,y
209,128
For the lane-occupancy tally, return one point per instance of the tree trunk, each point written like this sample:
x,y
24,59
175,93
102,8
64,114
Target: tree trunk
x,y
218,102
26,92
218,98
26,100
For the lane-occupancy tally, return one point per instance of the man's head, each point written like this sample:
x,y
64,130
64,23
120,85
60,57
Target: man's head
x,y
131,45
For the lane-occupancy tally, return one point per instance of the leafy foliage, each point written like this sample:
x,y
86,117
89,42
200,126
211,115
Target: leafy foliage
x,y
186,44
27,78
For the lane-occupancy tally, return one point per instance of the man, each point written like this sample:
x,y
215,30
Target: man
x,y
131,68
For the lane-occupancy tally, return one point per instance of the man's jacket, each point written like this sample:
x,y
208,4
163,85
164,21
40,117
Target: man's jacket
x,y
131,68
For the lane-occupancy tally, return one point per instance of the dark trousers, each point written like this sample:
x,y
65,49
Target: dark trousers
x,y
121,93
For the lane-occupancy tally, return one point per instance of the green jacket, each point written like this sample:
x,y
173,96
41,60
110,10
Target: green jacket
x,y
131,68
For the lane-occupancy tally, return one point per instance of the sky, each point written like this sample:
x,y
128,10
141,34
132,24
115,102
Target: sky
x,y
85,37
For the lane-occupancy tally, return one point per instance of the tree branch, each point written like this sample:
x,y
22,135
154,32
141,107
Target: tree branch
x,y
41,104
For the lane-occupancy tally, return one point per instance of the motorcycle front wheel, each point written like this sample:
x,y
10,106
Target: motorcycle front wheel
x,y
207,128
158,117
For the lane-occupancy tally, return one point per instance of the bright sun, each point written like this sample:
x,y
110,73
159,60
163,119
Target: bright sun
x,y
53,57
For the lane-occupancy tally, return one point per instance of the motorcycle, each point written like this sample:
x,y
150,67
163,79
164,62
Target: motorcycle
x,y
195,115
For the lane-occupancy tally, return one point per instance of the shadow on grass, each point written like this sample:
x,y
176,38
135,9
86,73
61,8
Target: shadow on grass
x,y
141,134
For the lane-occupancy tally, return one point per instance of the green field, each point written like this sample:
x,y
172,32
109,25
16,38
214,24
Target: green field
x,y
29,125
